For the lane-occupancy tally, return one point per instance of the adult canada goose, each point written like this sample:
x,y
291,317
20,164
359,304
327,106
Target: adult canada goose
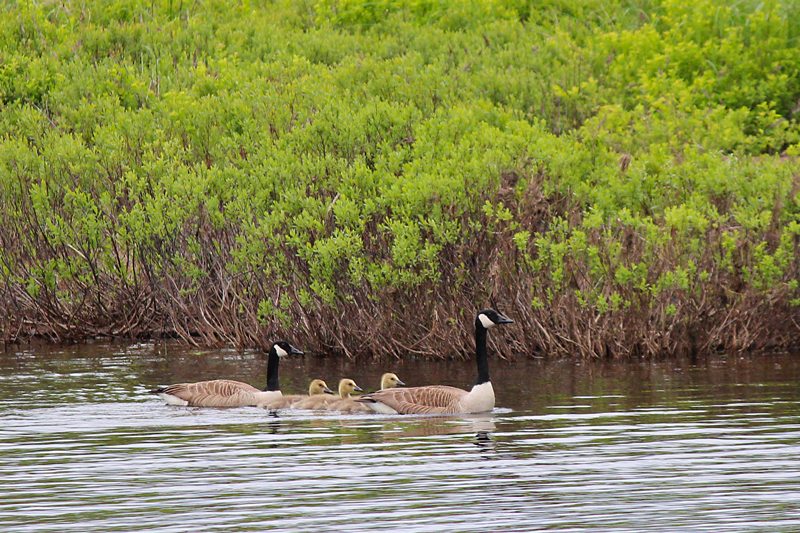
x,y
317,387
388,381
346,388
226,392
441,399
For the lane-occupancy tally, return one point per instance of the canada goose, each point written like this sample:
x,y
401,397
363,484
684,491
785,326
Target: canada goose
x,y
441,399
317,387
226,392
388,381
346,387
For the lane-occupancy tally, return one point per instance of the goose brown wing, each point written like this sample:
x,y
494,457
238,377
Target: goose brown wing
x,y
434,399
216,393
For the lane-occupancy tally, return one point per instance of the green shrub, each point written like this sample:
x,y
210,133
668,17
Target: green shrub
x,y
621,178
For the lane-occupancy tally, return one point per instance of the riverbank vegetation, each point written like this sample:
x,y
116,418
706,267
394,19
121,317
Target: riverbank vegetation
x,y
619,177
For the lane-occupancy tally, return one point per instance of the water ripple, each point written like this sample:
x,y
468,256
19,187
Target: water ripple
x,y
92,452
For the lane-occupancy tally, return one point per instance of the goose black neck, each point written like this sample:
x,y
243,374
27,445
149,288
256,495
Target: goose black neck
x,y
272,370
480,354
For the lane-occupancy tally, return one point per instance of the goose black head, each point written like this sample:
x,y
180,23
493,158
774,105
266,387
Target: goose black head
x,y
489,318
283,348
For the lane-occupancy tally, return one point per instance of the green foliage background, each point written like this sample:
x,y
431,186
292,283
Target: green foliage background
x,y
621,178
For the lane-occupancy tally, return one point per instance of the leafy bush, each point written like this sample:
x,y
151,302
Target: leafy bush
x,y
621,178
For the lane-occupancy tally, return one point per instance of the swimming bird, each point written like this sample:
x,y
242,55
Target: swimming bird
x,y
388,381
317,387
346,388
441,399
226,392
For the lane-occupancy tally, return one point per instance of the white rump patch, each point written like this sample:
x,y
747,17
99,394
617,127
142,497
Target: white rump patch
x,y
381,408
486,321
172,400
280,351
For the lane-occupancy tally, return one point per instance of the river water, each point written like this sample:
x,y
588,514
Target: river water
x,y
572,446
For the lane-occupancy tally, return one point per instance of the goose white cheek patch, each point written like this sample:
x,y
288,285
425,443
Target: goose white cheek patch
x,y
280,351
486,321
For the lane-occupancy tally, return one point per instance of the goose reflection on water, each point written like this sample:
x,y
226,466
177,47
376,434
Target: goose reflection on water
x,y
482,425
392,428
442,425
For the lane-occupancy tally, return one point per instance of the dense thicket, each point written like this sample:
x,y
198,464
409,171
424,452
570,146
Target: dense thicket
x,y
361,177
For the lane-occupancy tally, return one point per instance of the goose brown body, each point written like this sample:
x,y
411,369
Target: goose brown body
x,y
217,393
433,399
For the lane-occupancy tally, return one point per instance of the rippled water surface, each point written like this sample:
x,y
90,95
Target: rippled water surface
x,y
606,447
